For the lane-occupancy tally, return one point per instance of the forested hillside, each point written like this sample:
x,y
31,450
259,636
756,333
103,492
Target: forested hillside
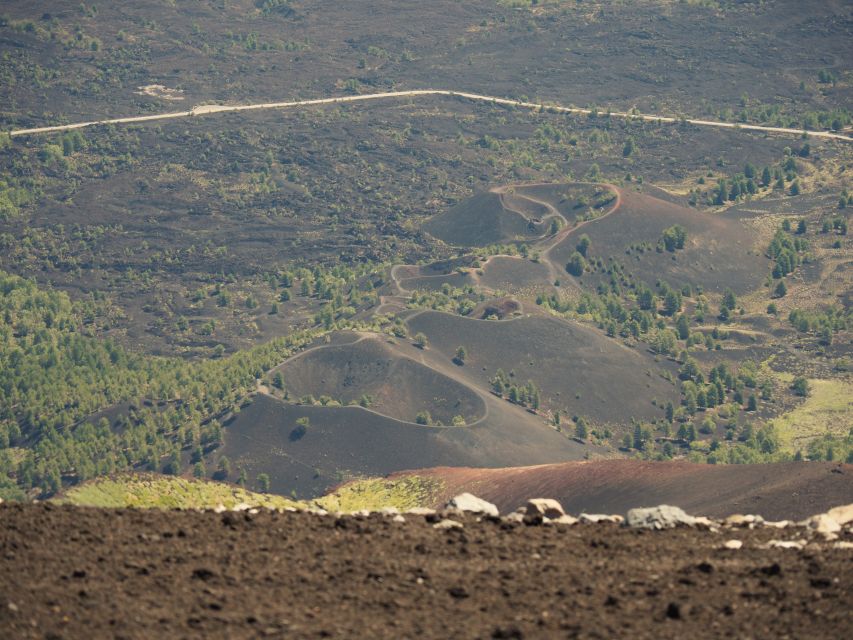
x,y
59,382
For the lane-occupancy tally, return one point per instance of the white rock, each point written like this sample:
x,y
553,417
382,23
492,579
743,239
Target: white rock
x,y
219,508
702,521
843,544
733,544
241,506
739,520
592,518
786,544
420,511
361,513
823,524
779,524
398,518
447,524
389,511
842,515
515,516
545,507
563,520
472,504
661,517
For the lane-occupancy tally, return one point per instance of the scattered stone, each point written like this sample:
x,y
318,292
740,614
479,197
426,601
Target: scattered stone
x,y
661,517
562,520
203,574
733,544
508,633
13,607
786,544
514,517
472,504
780,524
447,524
705,567
842,515
361,513
593,518
702,521
824,525
739,520
458,592
545,507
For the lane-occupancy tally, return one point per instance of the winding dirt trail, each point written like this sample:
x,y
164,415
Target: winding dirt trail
x,y
556,271
209,109
443,369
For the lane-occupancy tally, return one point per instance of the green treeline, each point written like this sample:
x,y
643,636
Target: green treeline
x,y
53,375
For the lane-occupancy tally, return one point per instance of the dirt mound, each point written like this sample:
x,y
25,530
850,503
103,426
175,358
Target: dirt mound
x,y
570,199
433,276
790,490
83,573
514,275
518,212
718,250
498,309
576,368
436,282
392,385
488,218
344,442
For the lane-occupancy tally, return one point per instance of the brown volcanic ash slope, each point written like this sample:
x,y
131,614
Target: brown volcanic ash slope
x,y
575,367
718,252
489,218
789,490
399,387
92,573
344,441
514,275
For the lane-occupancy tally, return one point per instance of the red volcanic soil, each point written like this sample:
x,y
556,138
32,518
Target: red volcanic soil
x,y
790,490
89,573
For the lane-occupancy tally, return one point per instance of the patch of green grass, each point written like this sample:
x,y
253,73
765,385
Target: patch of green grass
x,y
167,492
828,410
375,493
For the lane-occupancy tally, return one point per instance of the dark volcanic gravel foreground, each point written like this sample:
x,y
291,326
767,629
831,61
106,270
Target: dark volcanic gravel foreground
x,y
86,573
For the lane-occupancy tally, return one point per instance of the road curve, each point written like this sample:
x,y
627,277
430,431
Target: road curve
x,y
202,110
